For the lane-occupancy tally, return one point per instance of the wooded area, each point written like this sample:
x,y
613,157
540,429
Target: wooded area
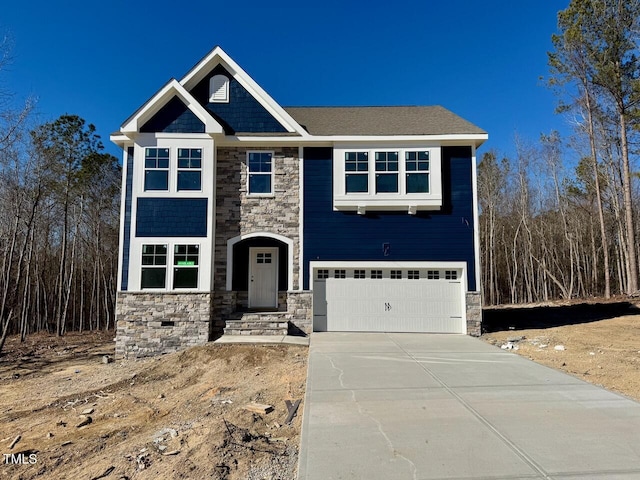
x,y
550,231
59,223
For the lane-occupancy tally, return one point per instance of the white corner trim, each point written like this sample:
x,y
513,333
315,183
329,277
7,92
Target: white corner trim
x,y
301,219
160,99
232,241
476,219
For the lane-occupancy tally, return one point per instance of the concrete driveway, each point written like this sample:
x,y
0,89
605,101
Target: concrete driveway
x,y
418,406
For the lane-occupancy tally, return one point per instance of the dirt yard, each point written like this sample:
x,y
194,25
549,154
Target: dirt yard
x,y
179,416
599,342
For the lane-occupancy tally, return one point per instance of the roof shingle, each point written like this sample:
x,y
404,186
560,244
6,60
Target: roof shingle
x,y
432,120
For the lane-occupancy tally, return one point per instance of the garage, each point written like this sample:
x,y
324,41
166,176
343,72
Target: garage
x,y
407,297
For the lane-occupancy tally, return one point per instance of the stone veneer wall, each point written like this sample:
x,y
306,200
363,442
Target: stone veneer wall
x,y
140,317
300,312
239,214
474,313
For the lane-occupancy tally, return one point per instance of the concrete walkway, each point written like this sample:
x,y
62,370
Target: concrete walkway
x,y
263,339
417,406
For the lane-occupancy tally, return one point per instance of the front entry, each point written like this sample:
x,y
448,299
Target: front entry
x,y
263,277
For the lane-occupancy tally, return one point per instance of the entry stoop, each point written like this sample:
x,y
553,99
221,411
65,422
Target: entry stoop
x,y
257,323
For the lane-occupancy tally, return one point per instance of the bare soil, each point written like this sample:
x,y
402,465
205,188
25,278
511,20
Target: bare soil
x,y
598,342
178,416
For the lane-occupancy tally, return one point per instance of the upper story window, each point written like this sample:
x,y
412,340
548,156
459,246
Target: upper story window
x,y
156,169
386,172
417,168
387,177
189,169
356,167
219,89
260,173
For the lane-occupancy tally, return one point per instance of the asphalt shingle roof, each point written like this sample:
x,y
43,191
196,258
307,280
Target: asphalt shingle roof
x,y
432,120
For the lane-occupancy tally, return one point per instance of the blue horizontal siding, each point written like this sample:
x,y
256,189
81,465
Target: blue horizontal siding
x,y
243,113
171,217
126,240
444,235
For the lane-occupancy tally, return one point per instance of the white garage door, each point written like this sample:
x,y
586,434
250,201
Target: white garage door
x,y
388,300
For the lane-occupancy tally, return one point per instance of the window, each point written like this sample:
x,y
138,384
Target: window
x,y
322,274
433,274
339,274
359,274
417,167
263,258
356,166
185,261
377,274
189,169
156,169
219,89
450,275
386,172
260,166
154,266
396,274
413,274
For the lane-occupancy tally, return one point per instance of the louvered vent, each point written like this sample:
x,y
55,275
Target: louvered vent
x,y
219,89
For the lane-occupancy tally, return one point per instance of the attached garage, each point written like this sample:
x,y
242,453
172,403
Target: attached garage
x,y
389,297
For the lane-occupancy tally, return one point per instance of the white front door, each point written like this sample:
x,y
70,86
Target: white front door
x,y
263,277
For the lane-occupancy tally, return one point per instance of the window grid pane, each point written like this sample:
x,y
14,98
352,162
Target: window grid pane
x,y
433,274
413,274
359,274
323,274
339,274
396,274
376,274
156,164
260,169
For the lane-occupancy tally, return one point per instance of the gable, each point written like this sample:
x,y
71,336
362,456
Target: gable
x,y
242,113
174,117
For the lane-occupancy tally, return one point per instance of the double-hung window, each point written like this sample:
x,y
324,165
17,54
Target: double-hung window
x,y
156,169
417,168
154,266
189,169
386,172
260,172
356,166
185,266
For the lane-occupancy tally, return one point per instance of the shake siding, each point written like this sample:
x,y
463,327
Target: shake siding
x,y
445,235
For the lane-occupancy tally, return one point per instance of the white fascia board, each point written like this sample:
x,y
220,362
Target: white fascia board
x,y
219,56
119,139
160,99
311,140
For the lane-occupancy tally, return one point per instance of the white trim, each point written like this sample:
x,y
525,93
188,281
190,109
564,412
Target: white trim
x,y
476,219
328,140
134,123
218,56
272,174
232,241
300,218
123,201
400,200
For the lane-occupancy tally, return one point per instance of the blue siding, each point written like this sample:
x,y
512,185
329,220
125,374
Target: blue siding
x,y
243,113
444,235
174,117
171,217
126,241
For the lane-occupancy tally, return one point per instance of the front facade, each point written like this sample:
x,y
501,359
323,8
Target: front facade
x,y
240,216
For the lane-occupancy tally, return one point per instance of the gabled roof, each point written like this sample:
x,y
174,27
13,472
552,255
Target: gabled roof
x,y
171,89
370,121
217,56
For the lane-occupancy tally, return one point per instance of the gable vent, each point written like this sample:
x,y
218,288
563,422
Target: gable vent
x,y
219,89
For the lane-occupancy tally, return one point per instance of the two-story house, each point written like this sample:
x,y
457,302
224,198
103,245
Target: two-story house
x,y
242,216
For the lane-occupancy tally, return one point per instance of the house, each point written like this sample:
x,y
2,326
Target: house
x,y
242,216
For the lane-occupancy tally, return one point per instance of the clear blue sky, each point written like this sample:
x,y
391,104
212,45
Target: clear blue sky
x,y
482,60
